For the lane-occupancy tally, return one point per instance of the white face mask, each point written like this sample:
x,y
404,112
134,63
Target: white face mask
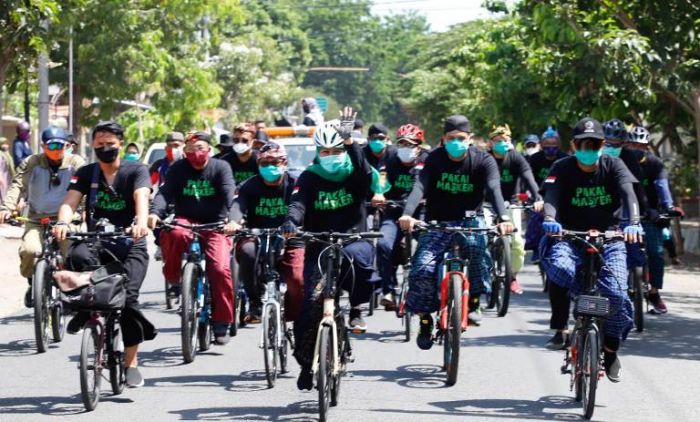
x,y
531,151
178,154
407,154
240,148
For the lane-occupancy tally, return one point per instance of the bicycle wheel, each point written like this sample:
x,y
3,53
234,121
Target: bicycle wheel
x,y
325,372
270,350
578,341
402,312
58,320
453,332
343,352
204,336
589,372
233,329
637,283
117,375
189,320
506,274
90,367
284,350
372,302
40,291
543,275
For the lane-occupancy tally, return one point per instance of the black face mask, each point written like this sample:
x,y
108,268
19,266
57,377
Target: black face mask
x,y
107,155
306,108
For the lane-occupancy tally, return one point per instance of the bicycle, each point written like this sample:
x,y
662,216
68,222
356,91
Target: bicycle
x,y
401,310
332,349
454,295
195,308
584,357
501,272
240,297
102,343
48,308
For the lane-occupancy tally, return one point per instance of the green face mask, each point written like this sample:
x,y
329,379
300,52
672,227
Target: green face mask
x,y
377,145
131,156
588,158
501,147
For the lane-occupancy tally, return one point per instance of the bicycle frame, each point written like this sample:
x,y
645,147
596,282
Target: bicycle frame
x,y
196,256
273,295
454,264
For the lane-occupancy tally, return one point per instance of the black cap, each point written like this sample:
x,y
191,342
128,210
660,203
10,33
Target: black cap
x,y
589,127
457,122
198,136
175,136
225,140
359,124
109,126
376,129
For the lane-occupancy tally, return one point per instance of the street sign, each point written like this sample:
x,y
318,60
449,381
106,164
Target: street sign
x,y
322,103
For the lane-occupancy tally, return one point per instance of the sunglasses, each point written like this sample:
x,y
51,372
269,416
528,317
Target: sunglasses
x,y
278,162
611,145
55,146
239,140
379,137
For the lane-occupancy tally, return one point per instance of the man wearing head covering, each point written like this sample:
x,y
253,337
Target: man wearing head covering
x,y
20,147
312,113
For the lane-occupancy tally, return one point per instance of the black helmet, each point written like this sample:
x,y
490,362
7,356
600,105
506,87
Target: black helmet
x,y
615,129
53,133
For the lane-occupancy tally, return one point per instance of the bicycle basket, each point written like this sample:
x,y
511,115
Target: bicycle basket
x,y
104,292
595,306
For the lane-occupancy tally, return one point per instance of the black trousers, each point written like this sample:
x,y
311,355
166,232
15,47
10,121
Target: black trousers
x,y
560,302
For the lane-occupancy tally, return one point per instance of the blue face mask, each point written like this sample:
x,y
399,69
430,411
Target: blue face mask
x,y
456,148
501,147
131,157
638,154
612,151
588,158
377,145
271,173
332,163
550,151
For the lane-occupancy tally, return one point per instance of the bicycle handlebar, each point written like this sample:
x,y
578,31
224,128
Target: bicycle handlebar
x,y
423,226
331,236
591,234
193,227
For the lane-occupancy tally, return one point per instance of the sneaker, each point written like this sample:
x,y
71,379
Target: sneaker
x,y
388,302
559,341
474,317
174,290
158,255
613,368
425,332
357,324
659,307
306,379
77,322
254,316
221,334
515,287
134,378
29,298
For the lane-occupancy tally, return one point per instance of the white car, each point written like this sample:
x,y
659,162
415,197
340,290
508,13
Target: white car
x,y
298,142
155,152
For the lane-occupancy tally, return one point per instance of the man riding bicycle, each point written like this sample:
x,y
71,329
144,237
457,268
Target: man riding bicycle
x,y
243,159
43,179
590,191
401,172
377,151
330,197
201,190
454,181
513,168
117,190
263,202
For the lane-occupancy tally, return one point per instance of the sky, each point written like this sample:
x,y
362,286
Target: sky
x,y
441,14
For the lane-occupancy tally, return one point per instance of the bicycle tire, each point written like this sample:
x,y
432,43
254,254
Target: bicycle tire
x,y
284,354
233,329
343,352
168,300
545,279
406,314
270,350
117,372
372,302
590,368
58,321
407,326
90,370
578,380
325,375
453,333
506,272
204,336
41,305
637,279
189,320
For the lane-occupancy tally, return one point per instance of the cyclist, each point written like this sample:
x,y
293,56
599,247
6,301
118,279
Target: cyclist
x,y
173,152
532,145
117,190
264,200
43,179
20,146
243,159
401,171
592,191
454,181
655,182
330,196
513,167
377,151
224,146
540,162
201,190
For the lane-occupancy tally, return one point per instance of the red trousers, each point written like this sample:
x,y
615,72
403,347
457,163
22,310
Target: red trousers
x,y
217,251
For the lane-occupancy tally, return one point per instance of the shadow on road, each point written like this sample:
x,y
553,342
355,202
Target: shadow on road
x,y
163,357
22,318
667,336
244,382
545,408
49,405
16,348
409,376
300,411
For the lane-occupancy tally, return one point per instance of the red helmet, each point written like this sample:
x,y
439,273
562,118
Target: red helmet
x,y
411,133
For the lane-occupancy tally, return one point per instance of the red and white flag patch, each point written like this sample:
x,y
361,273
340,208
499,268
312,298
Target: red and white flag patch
x,y
295,190
550,179
74,179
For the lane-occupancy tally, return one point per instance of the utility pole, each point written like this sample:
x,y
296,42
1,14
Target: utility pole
x,y
43,73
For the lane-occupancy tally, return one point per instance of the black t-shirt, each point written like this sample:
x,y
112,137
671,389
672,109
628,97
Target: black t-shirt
x,y
511,167
402,177
319,204
204,196
588,200
263,206
379,162
540,165
652,169
451,188
115,202
242,171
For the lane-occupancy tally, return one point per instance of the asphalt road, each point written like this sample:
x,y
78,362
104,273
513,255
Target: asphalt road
x,y
505,373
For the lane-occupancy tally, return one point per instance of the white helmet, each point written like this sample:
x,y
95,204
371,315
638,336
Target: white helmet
x,y
327,136
638,135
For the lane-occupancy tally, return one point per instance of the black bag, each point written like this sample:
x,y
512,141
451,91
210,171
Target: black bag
x,y
106,291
